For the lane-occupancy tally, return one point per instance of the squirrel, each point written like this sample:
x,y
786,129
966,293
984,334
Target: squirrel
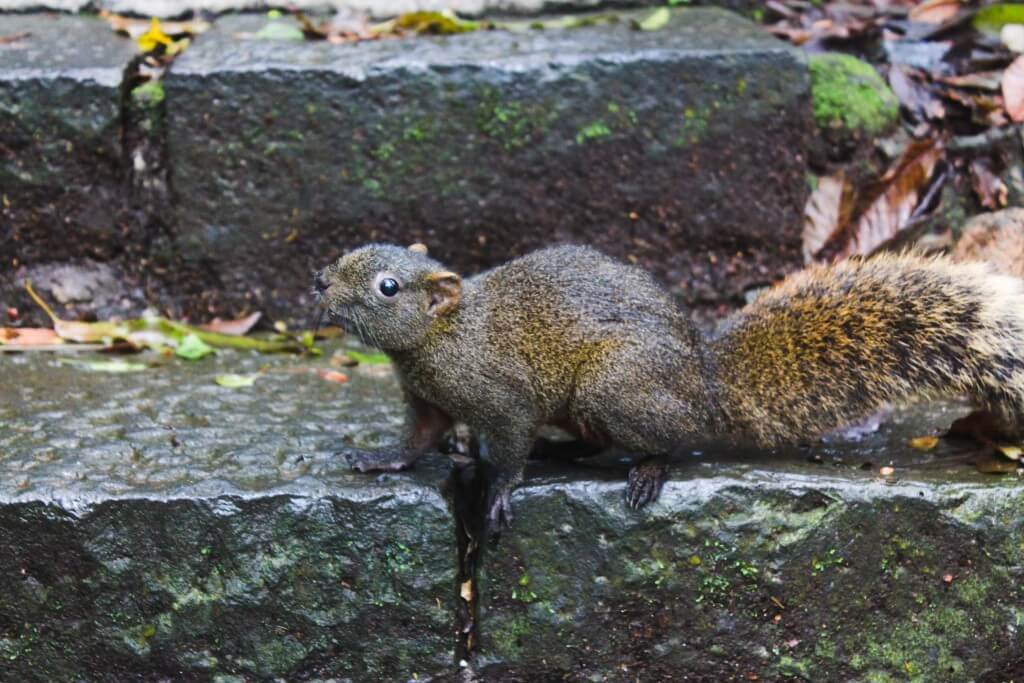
x,y
567,336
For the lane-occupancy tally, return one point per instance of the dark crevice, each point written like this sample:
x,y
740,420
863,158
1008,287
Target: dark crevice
x,y
466,491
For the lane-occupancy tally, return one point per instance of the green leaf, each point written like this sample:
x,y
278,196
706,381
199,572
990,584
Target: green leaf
x,y
278,30
104,365
993,18
368,358
233,381
657,19
193,348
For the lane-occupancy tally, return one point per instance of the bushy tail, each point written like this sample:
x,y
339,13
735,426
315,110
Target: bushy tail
x,y
833,344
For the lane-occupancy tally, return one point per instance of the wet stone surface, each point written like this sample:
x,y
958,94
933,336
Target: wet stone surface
x,y
487,145
765,567
157,524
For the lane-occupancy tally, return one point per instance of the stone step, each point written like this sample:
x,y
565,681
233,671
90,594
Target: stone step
x,y
650,145
681,149
157,525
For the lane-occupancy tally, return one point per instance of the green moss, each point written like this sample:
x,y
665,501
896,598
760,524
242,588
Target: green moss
x,y
594,131
849,95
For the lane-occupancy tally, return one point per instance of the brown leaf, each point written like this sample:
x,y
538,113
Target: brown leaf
x,y
982,80
913,95
934,11
891,203
990,188
825,213
14,38
135,28
1013,90
235,328
332,376
28,336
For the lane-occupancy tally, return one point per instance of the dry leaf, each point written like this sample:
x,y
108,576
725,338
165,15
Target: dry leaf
x,y
1013,90
913,95
887,471
28,336
14,38
896,197
924,443
235,328
990,188
1011,451
935,11
823,214
332,376
466,590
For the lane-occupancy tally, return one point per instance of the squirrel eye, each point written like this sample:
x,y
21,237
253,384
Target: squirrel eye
x,y
388,287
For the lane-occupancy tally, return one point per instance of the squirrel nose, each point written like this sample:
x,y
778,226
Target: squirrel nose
x,y
320,283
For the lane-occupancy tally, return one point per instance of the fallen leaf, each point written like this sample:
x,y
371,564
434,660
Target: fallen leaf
x,y
233,381
823,213
340,359
991,190
332,376
654,21
1013,90
135,28
433,23
154,37
14,38
193,348
914,95
924,443
934,11
466,590
368,358
1011,451
235,328
279,30
947,578
28,336
115,366
981,80
992,18
890,203
886,471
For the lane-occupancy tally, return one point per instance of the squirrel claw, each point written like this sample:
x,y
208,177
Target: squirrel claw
x,y
645,482
499,512
372,461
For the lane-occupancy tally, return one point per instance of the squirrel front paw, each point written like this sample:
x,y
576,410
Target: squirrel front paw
x,y
645,482
499,510
373,461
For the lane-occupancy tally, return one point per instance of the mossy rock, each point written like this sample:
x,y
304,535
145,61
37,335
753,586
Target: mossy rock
x,y
851,101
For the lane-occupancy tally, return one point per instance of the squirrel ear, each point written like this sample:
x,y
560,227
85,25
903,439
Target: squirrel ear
x,y
418,248
445,289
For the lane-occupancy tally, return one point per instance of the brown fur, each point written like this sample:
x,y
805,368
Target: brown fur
x,y
570,337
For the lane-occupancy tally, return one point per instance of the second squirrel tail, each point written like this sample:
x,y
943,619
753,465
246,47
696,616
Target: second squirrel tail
x,y
833,344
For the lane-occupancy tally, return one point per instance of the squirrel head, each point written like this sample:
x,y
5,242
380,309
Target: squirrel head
x,y
388,296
